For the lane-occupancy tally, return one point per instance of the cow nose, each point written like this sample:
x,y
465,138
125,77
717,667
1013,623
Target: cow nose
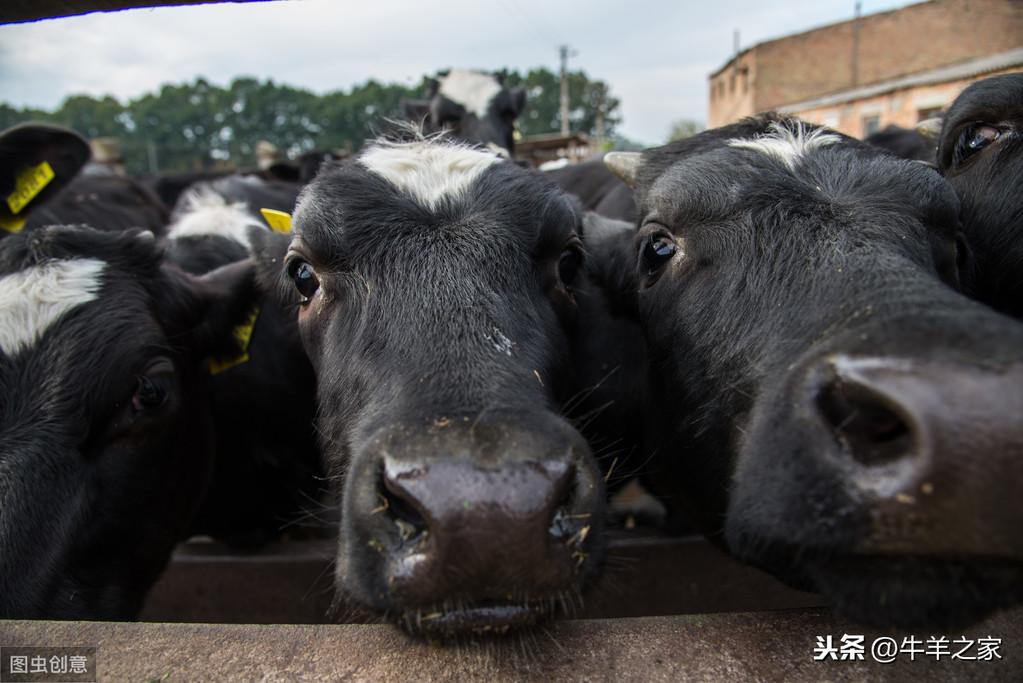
x,y
930,449
509,528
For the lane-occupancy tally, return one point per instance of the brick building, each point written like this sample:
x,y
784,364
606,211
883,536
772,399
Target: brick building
x,y
861,75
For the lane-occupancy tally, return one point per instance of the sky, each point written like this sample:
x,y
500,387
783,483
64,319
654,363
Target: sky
x,y
655,54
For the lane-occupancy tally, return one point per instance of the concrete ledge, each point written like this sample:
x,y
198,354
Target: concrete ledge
x,y
757,646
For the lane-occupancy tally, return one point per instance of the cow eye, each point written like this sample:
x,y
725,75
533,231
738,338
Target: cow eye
x,y
568,264
657,251
972,140
149,394
304,277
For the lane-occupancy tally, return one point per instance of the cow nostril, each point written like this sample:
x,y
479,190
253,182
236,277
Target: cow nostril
x,y
563,523
404,514
871,429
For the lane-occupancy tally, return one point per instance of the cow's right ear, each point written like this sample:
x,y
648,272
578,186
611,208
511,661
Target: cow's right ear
x,y
37,161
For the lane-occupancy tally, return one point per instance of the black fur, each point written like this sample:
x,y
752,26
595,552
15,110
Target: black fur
x,y
989,184
95,489
779,271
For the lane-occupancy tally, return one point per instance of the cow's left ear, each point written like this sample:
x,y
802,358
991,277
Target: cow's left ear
x,y
518,98
201,312
36,161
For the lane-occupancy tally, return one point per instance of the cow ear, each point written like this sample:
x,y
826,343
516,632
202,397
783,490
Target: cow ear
x,y
611,261
268,249
36,162
201,312
518,98
283,170
415,110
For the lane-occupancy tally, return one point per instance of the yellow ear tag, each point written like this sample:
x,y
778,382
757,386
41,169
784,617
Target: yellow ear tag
x,y
13,224
243,335
28,184
278,221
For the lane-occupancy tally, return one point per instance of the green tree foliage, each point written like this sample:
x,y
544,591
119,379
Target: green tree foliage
x,y
543,103
202,125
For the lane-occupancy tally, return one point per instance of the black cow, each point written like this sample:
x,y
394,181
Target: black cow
x,y
903,143
105,433
434,285
981,153
267,461
597,188
823,398
471,105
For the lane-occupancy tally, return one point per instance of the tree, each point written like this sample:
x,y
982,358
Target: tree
x,y
543,103
200,124
684,128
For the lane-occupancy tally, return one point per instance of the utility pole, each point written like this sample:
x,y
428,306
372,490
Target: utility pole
x,y
154,165
563,51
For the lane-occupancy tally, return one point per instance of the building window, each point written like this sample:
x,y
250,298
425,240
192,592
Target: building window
x,y
928,113
871,124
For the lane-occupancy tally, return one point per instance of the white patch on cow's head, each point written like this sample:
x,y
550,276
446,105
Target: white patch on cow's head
x,y
31,300
429,170
472,89
208,213
786,144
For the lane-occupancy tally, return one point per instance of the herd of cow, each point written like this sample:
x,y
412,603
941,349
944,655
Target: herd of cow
x,y
804,345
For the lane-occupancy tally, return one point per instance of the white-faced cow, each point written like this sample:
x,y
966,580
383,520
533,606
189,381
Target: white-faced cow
x,y
105,432
434,286
823,399
981,154
472,106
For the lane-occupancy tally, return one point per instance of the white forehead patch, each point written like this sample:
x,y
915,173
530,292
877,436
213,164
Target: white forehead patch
x,y
33,299
429,171
785,144
208,213
471,89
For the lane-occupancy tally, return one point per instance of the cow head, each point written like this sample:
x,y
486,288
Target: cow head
x,y
981,153
434,291
474,106
824,398
104,429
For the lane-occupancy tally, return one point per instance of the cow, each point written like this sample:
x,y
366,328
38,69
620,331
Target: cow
x,y
109,201
823,400
597,188
433,284
267,469
903,143
106,443
980,152
472,106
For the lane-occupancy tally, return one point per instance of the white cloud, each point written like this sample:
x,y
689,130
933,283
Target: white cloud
x,y
656,55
